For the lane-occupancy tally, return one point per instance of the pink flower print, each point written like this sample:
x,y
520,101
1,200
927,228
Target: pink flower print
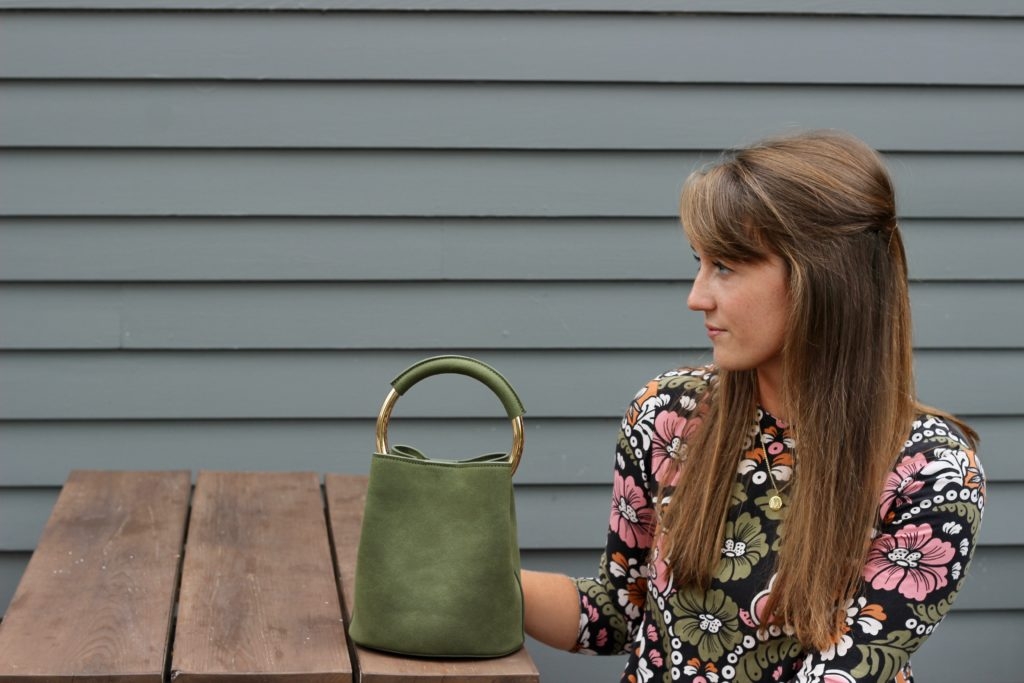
x,y
755,617
911,561
592,613
837,676
602,637
669,431
659,573
900,484
655,657
632,517
652,633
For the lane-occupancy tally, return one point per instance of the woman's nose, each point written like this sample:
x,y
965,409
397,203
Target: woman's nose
x,y
698,299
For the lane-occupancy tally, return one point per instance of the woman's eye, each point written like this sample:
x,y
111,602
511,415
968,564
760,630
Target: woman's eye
x,y
719,266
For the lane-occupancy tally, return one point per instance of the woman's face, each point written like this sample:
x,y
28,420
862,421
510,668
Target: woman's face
x,y
746,309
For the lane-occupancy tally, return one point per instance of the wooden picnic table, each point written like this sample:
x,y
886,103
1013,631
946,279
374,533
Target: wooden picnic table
x,y
140,578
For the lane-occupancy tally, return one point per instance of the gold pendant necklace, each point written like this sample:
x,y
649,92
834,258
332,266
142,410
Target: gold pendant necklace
x,y
775,501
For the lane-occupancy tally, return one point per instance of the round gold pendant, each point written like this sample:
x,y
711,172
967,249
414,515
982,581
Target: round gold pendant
x,y
775,503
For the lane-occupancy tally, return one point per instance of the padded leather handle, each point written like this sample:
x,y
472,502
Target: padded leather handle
x,y
461,365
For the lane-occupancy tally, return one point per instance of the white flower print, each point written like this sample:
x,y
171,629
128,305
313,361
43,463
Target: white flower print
x,y
952,528
868,617
949,467
643,670
642,430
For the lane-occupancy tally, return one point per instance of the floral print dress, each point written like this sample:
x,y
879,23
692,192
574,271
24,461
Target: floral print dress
x,y
929,516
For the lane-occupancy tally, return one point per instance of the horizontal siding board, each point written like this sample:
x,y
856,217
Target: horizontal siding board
x,y
12,566
504,116
322,384
979,8
963,250
949,654
452,183
992,575
573,451
23,514
393,249
557,517
520,315
518,47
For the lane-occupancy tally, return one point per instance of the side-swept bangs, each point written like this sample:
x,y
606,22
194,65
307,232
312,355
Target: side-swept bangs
x,y
719,211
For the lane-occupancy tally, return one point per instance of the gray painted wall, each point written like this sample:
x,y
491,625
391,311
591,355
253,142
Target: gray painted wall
x,y
223,232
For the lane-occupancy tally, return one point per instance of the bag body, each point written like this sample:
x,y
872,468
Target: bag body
x,y
437,569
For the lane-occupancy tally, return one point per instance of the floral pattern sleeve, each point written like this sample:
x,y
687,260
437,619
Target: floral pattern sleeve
x,y
928,521
929,517
612,604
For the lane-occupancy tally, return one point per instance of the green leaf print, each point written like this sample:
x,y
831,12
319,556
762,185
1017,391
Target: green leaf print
x,y
880,660
932,613
739,494
695,385
600,598
968,511
752,666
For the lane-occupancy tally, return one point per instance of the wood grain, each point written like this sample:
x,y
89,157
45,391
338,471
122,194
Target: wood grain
x,y
96,600
258,596
346,496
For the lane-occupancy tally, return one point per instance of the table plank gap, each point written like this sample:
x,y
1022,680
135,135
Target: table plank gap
x,y
258,598
346,496
97,598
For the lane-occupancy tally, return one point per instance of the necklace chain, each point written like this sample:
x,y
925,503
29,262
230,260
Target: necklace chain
x,y
775,501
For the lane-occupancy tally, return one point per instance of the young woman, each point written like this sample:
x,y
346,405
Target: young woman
x,y
790,512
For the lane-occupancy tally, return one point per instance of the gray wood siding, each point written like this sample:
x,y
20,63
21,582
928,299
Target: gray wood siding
x,y
225,226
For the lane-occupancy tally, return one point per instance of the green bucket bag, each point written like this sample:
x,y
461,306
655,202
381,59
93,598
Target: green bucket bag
x,y
437,570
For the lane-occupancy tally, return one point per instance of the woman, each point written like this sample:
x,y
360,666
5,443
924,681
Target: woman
x,y
790,512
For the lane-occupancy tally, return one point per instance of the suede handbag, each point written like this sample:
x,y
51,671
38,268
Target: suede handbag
x,y
437,569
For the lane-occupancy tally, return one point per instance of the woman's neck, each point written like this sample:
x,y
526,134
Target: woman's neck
x,y
769,392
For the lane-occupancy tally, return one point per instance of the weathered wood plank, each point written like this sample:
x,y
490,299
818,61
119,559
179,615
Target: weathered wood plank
x,y
346,496
96,600
258,596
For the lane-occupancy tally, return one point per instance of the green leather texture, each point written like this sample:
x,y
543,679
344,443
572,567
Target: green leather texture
x,y
461,365
437,569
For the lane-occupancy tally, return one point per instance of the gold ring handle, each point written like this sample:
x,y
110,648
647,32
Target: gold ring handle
x,y
518,433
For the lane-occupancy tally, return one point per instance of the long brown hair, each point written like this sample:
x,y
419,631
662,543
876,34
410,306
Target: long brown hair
x,y
822,201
